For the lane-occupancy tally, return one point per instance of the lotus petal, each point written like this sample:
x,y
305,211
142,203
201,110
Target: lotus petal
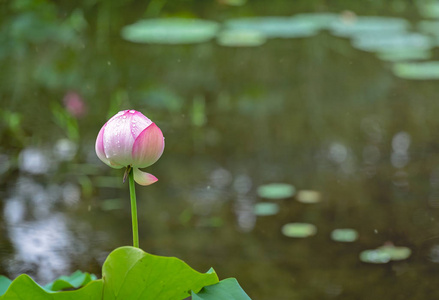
x,y
143,178
148,147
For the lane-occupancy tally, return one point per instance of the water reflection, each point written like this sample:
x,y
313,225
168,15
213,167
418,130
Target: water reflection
x,y
433,198
244,203
343,158
38,235
400,145
434,254
34,161
221,178
44,246
65,150
244,210
371,154
206,200
371,126
40,247
338,153
71,194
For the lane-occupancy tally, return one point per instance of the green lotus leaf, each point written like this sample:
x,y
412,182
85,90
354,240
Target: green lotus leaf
x,y
74,281
130,273
227,289
308,196
276,191
170,31
299,230
275,27
417,70
241,38
385,253
320,20
392,42
404,55
23,287
374,256
234,2
266,209
396,253
345,235
368,25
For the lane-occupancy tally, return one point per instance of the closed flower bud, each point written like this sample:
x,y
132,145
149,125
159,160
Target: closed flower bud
x,y
130,139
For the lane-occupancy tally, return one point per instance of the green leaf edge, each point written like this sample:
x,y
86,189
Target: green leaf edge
x,y
226,289
74,281
25,286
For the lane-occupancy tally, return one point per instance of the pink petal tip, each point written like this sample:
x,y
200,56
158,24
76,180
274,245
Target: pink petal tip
x,y
143,178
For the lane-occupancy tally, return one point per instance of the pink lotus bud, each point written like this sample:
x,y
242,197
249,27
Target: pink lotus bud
x,y
130,139
74,104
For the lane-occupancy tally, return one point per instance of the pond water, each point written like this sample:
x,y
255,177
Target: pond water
x,y
298,151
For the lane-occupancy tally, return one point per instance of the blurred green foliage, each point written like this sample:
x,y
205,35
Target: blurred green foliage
x,y
47,48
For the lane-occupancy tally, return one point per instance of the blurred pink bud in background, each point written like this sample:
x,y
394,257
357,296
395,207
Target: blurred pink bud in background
x,y
74,104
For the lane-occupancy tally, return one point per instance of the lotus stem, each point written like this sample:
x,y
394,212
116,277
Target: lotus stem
x,y
133,208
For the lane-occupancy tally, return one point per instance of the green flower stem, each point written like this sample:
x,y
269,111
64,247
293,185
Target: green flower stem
x,y
133,209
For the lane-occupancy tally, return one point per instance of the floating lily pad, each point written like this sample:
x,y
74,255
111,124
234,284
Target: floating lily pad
x,y
276,191
266,209
404,55
170,31
234,2
392,42
396,253
299,230
275,27
308,196
374,256
241,38
320,20
417,70
345,235
368,25
385,253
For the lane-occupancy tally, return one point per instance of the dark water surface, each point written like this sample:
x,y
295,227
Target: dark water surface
x,y
312,112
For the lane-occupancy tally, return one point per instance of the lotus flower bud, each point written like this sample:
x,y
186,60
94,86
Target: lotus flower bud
x,y
131,139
